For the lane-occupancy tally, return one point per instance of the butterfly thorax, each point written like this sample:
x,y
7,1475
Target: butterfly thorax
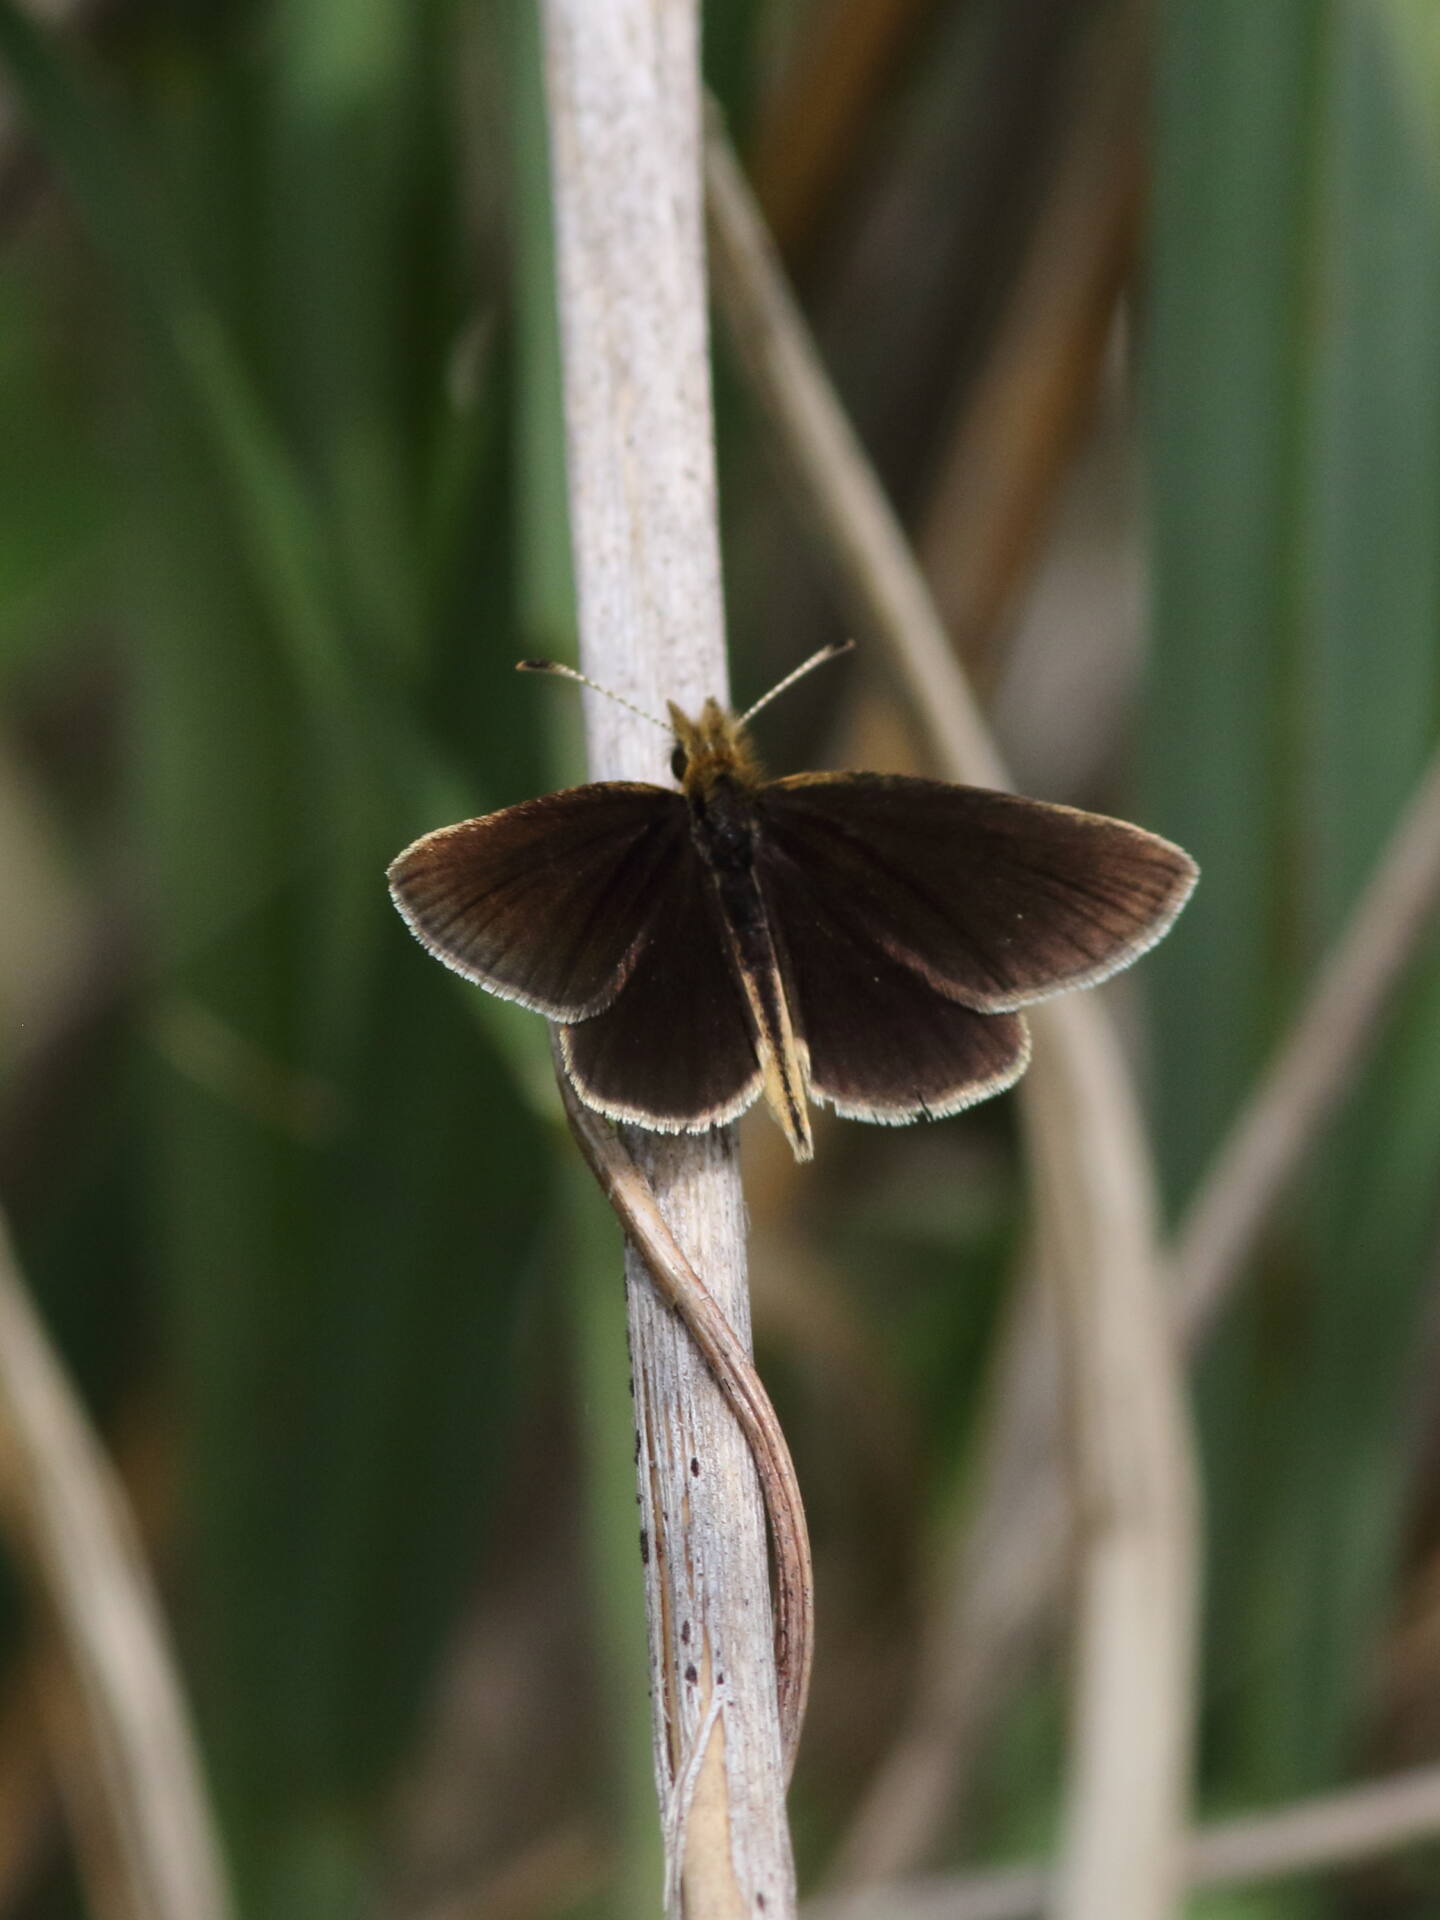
x,y
718,775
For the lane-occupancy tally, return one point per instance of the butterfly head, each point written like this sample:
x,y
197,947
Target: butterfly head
x,y
709,749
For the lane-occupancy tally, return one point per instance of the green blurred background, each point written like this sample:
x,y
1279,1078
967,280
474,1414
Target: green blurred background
x,y
281,502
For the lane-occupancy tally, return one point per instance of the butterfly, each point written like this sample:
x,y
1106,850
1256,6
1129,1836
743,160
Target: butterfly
x,y
863,940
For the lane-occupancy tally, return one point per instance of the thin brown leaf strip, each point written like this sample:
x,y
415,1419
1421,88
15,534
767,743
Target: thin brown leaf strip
x,y
677,1282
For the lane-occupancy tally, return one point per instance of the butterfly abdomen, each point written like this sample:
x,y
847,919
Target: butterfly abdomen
x,y
722,815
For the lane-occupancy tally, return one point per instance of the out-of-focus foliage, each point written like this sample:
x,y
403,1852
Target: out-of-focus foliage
x,y
1295,447
281,502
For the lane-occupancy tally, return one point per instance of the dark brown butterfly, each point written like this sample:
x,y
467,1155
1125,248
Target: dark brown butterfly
x,y
860,939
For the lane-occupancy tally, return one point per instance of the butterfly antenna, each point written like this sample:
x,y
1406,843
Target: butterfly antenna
x,y
832,652
569,673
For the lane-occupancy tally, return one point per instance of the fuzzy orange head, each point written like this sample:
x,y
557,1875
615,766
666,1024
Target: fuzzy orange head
x,y
712,748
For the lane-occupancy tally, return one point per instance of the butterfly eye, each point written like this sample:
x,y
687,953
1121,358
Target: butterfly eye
x,y
679,761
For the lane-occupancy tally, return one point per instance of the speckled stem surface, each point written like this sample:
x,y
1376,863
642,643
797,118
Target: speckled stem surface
x,y
624,111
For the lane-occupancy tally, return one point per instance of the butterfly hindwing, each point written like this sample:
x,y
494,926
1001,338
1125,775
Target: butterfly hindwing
x,y
880,1044
550,902
992,900
676,1049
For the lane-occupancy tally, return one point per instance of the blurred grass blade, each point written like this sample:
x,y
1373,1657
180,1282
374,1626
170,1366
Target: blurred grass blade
x,y
104,173
1295,446
145,1825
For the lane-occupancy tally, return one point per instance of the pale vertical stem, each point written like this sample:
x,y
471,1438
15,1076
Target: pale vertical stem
x,y
131,1771
623,97
1134,1480
1133,1475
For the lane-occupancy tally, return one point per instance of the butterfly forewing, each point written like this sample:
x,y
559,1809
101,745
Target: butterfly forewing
x,y
550,902
992,900
676,1049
